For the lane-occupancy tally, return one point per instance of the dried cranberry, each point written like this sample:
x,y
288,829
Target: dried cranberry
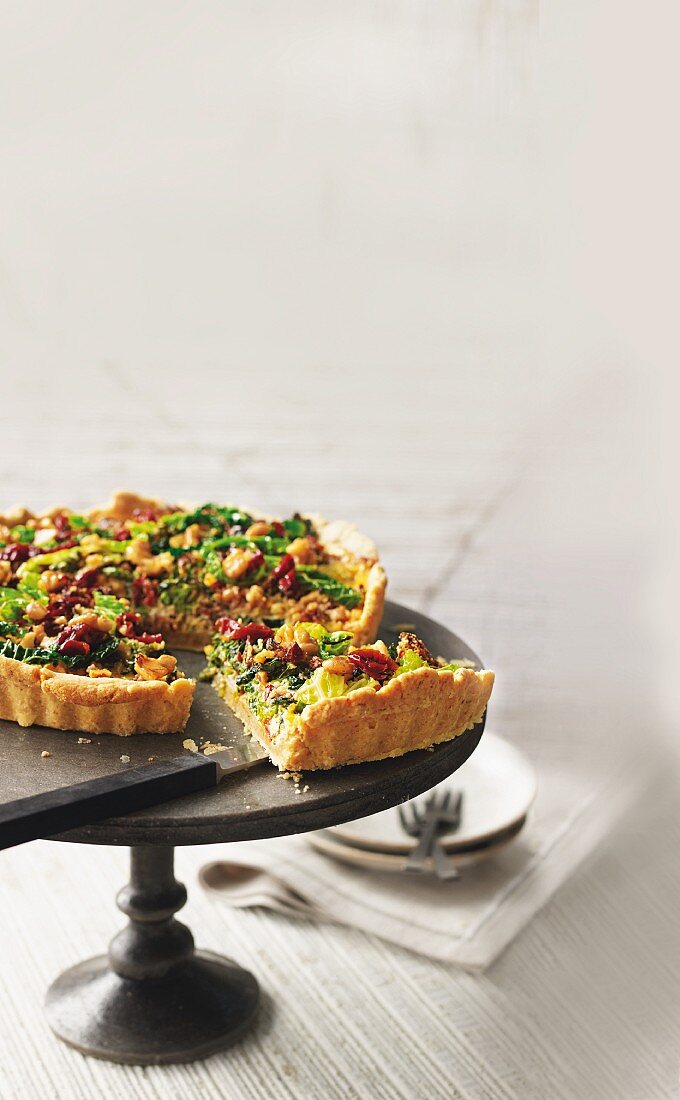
x,y
235,631
75,597
79,640
284,575
145,591
65,603
123,535
128,623
373,663
225,625
256,561
64,531
61,522
291,653
87,577
71,647
15,551
285,565
62,605
69,544
288,583
58,608
278,529
65,596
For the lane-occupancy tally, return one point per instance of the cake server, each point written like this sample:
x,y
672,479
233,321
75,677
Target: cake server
x,y
51,812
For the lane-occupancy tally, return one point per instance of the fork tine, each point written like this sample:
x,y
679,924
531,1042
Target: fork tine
x,y
438,801
408,818
417,815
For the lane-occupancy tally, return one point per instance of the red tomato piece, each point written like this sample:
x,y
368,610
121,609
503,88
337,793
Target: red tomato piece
x,y
373,663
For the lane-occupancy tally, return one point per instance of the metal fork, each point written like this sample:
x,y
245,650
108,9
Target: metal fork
x,y
424,823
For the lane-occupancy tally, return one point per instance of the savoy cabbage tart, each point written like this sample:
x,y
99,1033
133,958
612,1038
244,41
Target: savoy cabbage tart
x,y
286,610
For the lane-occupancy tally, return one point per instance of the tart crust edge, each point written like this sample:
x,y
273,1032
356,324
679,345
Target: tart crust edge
x,y
34,695
414,711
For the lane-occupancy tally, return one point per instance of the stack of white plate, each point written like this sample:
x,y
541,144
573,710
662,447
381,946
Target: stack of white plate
x,y
498,785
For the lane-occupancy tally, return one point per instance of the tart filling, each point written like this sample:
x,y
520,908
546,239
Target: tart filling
x,y
57,622
182,569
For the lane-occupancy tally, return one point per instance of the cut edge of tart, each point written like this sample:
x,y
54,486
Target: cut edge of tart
x,y
418,710
308,719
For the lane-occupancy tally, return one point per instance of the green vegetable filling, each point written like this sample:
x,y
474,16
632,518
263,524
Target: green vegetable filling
x,y
110,606
106,653
22,534
335,590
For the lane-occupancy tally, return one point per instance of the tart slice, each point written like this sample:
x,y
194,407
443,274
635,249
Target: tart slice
x,y
75,658
315,701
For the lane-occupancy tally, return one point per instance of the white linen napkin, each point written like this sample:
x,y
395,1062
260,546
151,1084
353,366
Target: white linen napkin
x,y
467,922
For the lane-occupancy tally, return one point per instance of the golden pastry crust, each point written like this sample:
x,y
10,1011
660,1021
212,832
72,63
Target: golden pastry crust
x,y
34,695
123,505
366,629
413,711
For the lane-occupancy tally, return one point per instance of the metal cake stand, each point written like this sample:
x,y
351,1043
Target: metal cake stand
x,y
153,998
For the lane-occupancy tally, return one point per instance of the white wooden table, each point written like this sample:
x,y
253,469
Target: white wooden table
x,y
287,254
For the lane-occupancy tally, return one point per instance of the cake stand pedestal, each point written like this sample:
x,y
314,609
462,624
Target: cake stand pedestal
x,y
153,998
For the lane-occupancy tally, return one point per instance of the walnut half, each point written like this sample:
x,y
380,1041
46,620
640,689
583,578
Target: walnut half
x,y
155,668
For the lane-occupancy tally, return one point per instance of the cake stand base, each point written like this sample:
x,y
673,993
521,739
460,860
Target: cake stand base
x,y
153,1000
